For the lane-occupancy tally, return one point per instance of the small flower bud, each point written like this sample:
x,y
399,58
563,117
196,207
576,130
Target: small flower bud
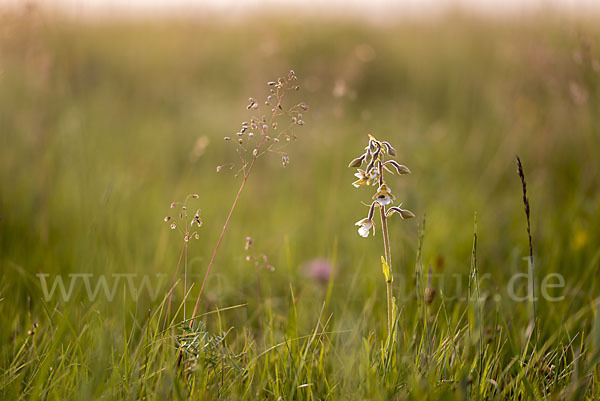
x,y
429,295
357,162
227,138
390,150
167,218
173,205
173,226
219,168
401,169
195,196
406,214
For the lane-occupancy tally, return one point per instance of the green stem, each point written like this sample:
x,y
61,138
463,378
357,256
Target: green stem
x,y
388,260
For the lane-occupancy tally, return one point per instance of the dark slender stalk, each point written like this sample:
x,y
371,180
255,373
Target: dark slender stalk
x,y
530,266
475,274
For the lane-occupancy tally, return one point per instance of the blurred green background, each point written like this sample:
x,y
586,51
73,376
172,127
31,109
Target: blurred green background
x,y
100,123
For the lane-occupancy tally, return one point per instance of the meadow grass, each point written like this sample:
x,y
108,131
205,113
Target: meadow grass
x,y
104,123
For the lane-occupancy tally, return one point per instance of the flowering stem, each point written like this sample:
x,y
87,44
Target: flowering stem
x,y
212,259
388,260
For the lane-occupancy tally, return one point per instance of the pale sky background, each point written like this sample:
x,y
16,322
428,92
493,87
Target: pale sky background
x,y
367,8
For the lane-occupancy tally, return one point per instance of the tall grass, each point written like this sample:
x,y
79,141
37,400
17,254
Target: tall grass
x,y
100,130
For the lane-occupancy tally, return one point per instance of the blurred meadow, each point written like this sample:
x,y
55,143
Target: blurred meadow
x,y
104,123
